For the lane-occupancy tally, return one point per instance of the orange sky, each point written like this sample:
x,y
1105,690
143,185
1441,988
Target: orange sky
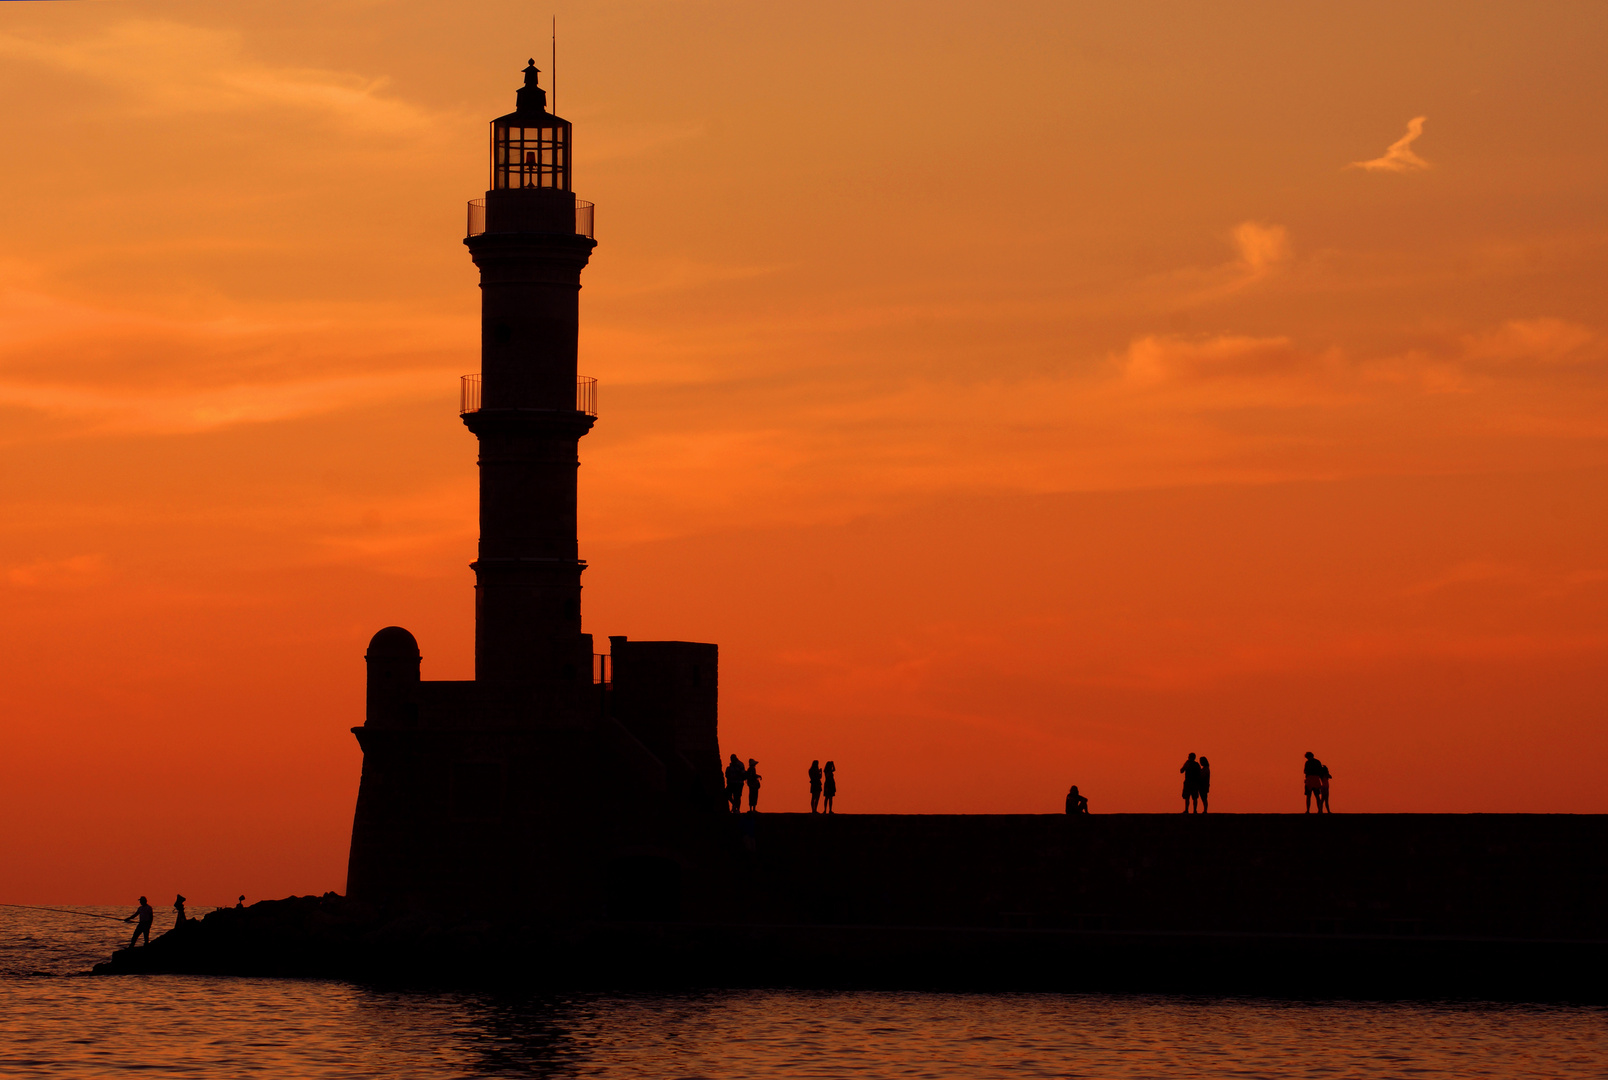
x,y
1020,394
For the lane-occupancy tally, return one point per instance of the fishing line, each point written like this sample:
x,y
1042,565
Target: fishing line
x,y
67,911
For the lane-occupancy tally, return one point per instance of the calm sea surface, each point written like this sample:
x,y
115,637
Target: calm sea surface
x,y
56,1023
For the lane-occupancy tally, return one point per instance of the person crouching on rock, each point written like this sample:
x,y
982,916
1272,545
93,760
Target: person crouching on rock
x,y
1075,803
144,914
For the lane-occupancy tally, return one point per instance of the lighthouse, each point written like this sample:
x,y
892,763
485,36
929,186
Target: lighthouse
x,y
530,238
551,778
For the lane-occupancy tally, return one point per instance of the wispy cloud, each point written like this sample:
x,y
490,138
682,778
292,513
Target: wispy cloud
x,y
79,571
1261,247
166,67
1399,157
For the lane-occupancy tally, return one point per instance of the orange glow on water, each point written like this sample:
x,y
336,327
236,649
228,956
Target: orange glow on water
x,y
1018,398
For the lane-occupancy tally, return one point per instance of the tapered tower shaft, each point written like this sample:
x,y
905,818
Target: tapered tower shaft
x,y
527,409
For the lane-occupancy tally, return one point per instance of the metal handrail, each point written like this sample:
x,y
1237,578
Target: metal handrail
x,y
585,395
584,212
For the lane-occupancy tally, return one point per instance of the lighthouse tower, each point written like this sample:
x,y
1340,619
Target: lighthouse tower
x,y
489,788
530,239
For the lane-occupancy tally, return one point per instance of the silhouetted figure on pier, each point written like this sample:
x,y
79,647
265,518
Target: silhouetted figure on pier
x,y
829,784
1205,788
144,914
815,786
735,774
752,778
1075,803
1191,771
178,909
1316,777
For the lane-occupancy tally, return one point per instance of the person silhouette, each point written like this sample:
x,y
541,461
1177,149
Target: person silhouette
x,y
815,786
735,774
240,903
1323,789
1191,771
752,777
1205,787
1075,803
144,914
829,784
178,909
1312,775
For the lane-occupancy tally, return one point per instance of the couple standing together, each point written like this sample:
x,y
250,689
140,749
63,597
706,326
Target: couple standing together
x,y
1197,784
822,782
736,777
1316,775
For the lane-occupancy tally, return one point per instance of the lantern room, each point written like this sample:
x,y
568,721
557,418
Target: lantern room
x,y
530,147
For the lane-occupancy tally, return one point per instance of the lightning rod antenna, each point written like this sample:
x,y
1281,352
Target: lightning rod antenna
x,y
555,65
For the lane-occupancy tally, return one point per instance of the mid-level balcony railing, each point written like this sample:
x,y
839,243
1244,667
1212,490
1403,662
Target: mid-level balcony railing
x,y
583,218
585,395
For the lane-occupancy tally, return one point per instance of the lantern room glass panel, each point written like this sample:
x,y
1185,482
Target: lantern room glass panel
x,y
531,157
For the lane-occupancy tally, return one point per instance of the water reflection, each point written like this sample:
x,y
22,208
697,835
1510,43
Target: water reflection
x,y
66,1026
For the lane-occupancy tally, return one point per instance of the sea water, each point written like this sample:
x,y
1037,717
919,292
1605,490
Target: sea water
x,y
57,1022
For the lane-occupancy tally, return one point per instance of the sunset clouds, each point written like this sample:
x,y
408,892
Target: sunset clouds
x,y
1399,156
1014,399
161,67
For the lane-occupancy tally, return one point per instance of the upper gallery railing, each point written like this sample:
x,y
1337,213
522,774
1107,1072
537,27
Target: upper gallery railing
x,y
583,218
585,394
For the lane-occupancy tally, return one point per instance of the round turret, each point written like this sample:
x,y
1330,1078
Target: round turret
x,y
393,679
393,643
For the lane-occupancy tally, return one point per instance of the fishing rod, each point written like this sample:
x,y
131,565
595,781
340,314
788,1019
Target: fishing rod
x,y
68,911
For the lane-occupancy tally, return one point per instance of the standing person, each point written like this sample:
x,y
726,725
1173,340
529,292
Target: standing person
x,y
178,909
1323,790
1075,803
144,914
1205,781
1312,774
1191,771
752,777
735,775
829,784
815,786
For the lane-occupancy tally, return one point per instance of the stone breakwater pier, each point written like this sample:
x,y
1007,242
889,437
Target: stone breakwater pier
x,y
1380,905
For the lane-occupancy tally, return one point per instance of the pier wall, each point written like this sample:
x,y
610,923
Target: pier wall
x,y
1485,875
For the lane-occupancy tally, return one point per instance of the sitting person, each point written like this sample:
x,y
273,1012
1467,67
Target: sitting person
x,y
1075,803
